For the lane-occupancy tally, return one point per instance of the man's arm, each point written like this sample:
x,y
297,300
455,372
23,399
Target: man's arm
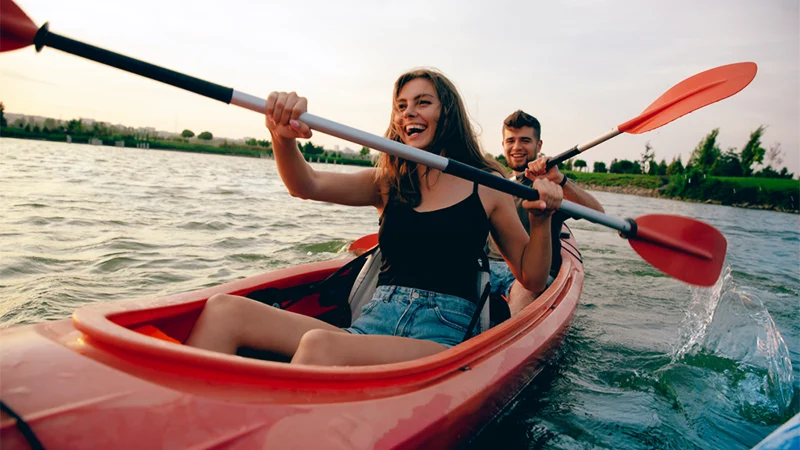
x,y
572,192
577,195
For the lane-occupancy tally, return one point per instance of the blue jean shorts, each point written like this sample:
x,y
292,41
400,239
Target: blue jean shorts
x,y
501,277
415,313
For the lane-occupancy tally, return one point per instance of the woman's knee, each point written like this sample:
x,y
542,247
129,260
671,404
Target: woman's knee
x,y
318,347
224,307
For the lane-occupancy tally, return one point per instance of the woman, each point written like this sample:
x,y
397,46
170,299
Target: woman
x,y
433,227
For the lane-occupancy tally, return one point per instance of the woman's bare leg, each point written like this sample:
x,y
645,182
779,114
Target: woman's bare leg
x,y
324,347
229,322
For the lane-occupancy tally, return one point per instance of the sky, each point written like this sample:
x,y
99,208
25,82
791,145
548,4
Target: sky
x,y
581,67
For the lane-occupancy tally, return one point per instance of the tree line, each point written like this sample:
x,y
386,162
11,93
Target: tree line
x,y
101,130
76,127
706,159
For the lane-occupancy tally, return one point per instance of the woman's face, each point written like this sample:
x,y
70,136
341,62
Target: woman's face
x,y
416,113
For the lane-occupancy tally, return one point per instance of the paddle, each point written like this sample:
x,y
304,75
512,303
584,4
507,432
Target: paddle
x,y
684,248
690,94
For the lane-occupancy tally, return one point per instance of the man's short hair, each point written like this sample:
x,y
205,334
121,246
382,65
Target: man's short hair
x,y
520,118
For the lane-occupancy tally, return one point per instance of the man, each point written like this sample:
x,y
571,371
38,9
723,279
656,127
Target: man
x,y
521,146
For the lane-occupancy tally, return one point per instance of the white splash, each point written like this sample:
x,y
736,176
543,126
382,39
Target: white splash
x,y
732,323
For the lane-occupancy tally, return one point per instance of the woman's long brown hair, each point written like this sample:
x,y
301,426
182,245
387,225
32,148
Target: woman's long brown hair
x,y
454,139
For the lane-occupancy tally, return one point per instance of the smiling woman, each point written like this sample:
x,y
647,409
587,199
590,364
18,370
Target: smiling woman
x,y
420,98
434,227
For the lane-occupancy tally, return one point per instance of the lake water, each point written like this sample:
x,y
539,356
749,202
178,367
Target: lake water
x,y
648,361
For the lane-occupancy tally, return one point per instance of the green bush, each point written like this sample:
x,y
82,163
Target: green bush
x,y
770,192
618,179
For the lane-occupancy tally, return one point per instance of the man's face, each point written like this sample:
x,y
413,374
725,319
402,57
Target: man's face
x,y
520,146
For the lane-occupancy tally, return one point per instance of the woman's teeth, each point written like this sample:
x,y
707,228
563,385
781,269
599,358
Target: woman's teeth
x,y
414,129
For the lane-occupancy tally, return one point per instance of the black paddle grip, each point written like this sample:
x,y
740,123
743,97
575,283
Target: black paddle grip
x,y
563,157
491,180
45,38
634,229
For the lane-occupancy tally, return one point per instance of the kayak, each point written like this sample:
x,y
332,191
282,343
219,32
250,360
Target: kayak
x,y
116,375
786,437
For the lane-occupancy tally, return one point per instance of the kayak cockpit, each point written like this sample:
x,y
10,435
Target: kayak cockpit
x,y
144,339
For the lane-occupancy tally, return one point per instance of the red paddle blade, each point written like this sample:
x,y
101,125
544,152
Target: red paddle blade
x,y
364,243
684,248
692,93
17,30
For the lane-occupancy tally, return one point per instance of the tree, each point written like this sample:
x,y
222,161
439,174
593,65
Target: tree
x,y
74,126
728,165
767,172
706,153
205,135
188,134
753,153
100,129
364,152
648,156
3,122
625,166
773,157
600,167
675,167
580,165
502,160
311,149
662,167
568,165
252,141
773,154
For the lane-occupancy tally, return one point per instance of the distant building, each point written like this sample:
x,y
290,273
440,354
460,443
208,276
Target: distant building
x,y
347,152
11,117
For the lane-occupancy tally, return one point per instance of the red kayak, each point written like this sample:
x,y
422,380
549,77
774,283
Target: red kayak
x,y
116,375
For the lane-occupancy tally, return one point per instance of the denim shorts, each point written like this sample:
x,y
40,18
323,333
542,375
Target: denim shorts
x,y
501,277
415,313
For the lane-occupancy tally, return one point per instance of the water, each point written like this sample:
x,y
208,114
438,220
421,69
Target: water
x,y
647,363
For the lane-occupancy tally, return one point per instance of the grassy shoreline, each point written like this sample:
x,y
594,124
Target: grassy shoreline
x,y
191,147
776,194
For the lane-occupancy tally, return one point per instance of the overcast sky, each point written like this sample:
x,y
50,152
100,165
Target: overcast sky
x,y
580,66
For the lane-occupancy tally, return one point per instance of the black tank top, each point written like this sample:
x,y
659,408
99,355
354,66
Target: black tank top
x,y
433,250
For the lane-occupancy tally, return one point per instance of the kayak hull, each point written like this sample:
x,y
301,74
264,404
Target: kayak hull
x,y
93,382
